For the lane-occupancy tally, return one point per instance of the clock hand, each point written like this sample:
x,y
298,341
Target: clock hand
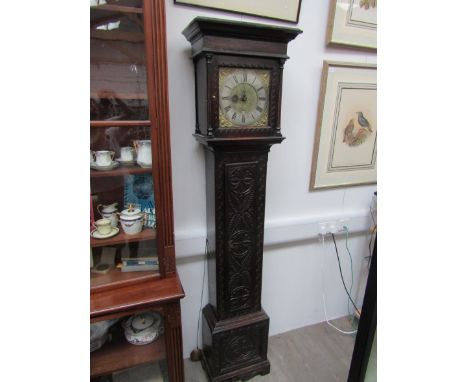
x,y
244,97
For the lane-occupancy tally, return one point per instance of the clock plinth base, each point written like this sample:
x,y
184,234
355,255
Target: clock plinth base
x,y
235,348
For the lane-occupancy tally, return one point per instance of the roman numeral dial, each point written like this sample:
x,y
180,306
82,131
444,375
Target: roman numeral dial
x,y
243,97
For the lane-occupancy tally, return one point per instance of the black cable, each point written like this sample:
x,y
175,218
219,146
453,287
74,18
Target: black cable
x,y
341,274
203,288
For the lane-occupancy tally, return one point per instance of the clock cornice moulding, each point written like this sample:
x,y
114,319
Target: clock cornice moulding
x,y
207,26
208,35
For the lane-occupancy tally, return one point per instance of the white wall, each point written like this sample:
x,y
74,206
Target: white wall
x,y
292,257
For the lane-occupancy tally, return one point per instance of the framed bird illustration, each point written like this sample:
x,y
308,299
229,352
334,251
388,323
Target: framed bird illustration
x,y
345,148
353,23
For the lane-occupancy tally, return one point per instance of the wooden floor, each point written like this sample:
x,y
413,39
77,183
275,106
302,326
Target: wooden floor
x,y
316,353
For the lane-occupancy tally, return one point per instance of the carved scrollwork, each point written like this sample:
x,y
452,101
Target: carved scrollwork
x,y
241,244
240,286
241,213
239,192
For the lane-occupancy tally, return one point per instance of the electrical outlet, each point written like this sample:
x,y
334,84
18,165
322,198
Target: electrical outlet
x,y
328,227
333,226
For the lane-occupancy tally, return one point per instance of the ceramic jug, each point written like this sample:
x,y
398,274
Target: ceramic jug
x,y
143,150
109,212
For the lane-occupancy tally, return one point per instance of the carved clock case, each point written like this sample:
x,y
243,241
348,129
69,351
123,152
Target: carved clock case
x,y
238,72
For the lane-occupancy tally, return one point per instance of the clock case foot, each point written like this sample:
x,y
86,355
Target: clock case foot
x,y
235,348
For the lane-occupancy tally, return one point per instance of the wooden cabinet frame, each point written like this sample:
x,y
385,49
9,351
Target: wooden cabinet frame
x,y
147,291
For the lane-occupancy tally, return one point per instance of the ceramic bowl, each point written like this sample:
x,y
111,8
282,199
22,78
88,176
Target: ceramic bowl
x,y
144,328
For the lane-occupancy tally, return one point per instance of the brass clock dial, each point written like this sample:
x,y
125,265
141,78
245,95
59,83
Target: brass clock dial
x,y
243,97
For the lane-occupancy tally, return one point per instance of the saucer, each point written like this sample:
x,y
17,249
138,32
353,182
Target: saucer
x,y
96,235
113,165
144,165
126,162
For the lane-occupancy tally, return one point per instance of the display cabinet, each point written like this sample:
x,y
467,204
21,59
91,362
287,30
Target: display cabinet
x,y
132,254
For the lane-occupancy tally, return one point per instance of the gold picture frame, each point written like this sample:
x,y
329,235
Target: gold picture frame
x,y
284,10
345,147
353,23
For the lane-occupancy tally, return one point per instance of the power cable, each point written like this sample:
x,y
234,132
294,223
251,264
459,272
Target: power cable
x,y
323,295
351,265
196,353
341,274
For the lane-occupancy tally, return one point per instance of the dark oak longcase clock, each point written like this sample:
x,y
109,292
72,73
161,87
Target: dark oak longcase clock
x,y
238,79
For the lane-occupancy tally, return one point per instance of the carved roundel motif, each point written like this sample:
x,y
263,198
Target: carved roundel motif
x,y
239,349
240,245
240,286
242,181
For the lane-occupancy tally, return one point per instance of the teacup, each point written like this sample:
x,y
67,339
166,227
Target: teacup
x,y
103,226
127,153
103,157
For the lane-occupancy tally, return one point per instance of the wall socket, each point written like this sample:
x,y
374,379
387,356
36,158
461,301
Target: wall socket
x,y
333,226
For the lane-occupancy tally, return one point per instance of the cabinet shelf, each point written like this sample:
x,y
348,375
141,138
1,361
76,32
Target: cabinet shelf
x,y
115,278
117,8
120,123
120,171
118,354
139,296
123,238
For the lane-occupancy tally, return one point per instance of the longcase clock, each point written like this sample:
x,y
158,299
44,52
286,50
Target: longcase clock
x,y
238,79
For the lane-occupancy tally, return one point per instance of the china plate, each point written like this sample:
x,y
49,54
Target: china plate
x,y
144,165
96,235
113,165
126,162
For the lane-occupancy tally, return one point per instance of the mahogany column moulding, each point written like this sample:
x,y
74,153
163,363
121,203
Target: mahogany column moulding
x,y
238,80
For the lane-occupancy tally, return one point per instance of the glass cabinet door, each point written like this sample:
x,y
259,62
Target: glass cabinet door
x,y
122,205
127,257
118,62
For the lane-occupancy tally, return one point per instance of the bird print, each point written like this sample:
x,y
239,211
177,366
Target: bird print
x,y
363,122
352,138
368,3
348,133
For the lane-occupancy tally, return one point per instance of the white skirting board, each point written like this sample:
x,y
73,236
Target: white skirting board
x,y
192,243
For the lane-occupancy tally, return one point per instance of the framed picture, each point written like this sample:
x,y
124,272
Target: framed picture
x,y
345,150
285,10
353,23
